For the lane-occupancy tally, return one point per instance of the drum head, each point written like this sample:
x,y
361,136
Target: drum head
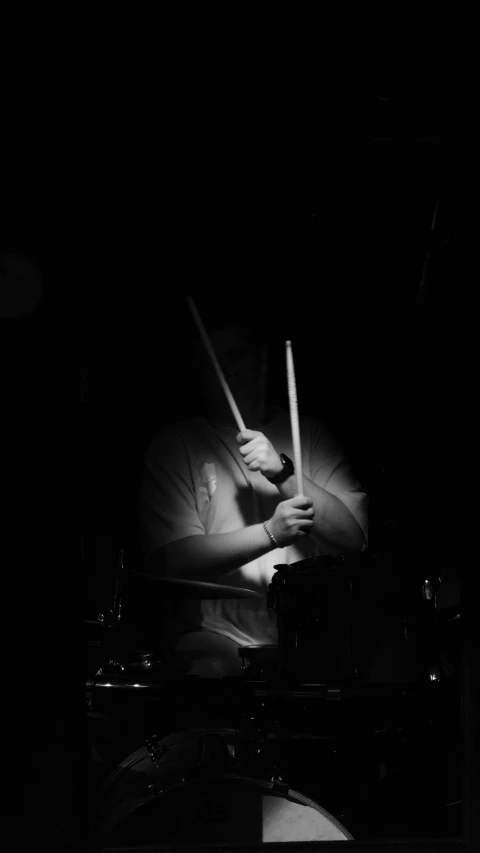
x,y
146,802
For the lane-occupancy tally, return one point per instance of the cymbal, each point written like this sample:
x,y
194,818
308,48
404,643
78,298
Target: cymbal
x,y
188,589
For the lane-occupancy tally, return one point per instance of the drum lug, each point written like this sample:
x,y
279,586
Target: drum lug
x,y
153,791
334,693
279,786
435,672
154,752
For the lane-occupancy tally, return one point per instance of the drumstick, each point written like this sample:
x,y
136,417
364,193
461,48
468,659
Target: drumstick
x,y
292,398
218,370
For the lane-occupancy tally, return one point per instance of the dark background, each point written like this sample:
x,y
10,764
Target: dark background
x,y
291,165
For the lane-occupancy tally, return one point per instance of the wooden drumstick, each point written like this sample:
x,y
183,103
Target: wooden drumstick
x,y
292,399
218,370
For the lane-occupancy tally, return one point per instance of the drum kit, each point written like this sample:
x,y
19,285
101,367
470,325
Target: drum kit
x,y
302,744
292,748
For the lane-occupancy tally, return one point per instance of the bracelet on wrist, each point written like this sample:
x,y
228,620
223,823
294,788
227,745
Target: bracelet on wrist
x,y
271,536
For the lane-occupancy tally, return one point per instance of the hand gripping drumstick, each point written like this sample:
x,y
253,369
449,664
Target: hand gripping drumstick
x,y
218,370
292,399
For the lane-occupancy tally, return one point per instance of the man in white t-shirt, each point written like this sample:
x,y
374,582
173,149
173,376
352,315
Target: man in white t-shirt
x,y
219,506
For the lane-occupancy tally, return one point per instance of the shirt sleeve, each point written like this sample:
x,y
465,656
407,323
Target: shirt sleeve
x,y
331,471
167,506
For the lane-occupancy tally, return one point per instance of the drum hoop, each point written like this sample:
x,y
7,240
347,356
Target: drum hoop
x,y
290,794
172,739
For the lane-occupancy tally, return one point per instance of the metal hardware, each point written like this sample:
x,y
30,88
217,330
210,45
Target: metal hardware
x,y
117,598
279,786
154,752
429,589
334,693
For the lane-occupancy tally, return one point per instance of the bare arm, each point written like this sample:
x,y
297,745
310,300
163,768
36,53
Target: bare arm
x,y
333,521
207,558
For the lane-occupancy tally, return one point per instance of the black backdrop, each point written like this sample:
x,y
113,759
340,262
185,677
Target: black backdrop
x,y
120,123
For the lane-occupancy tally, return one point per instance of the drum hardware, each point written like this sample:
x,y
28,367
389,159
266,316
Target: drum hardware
x,y
179,588
216,755
154,752
279,786
246,692
112,622
308,736
122,643
237,756
140,660
333,694
258,662
98,622
429,589
212,801
117,598
114,678
94,638
305,691
241,750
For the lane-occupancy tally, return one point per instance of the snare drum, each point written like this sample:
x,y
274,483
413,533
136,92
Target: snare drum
x,y
203,786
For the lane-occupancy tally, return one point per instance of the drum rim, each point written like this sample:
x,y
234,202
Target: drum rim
x,y
169,740
177,738
291,795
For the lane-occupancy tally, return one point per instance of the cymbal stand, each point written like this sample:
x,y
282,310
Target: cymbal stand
x,y
113,621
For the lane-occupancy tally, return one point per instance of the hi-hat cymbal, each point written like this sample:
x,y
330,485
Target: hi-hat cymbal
x,y
188,589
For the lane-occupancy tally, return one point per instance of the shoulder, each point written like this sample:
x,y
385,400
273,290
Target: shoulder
x,y
314,430
320,436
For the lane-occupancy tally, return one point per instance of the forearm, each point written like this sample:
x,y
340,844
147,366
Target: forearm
x,y
207,558
333,521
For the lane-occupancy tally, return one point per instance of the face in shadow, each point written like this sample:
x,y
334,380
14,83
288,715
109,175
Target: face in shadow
x,y
244,364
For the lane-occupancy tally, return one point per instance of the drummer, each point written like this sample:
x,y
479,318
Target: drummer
x,y
219,505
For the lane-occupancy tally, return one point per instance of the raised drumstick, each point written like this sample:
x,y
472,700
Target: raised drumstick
x,y
218,370
292,399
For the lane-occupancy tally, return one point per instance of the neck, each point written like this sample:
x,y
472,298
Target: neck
x,y
254,418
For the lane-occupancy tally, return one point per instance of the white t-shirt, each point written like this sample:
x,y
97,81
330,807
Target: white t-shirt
x,y
196,483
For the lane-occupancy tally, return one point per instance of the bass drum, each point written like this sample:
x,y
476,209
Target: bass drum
x,y
191,787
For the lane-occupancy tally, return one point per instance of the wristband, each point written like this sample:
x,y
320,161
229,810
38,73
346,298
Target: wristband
x,y
285,473
271,536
